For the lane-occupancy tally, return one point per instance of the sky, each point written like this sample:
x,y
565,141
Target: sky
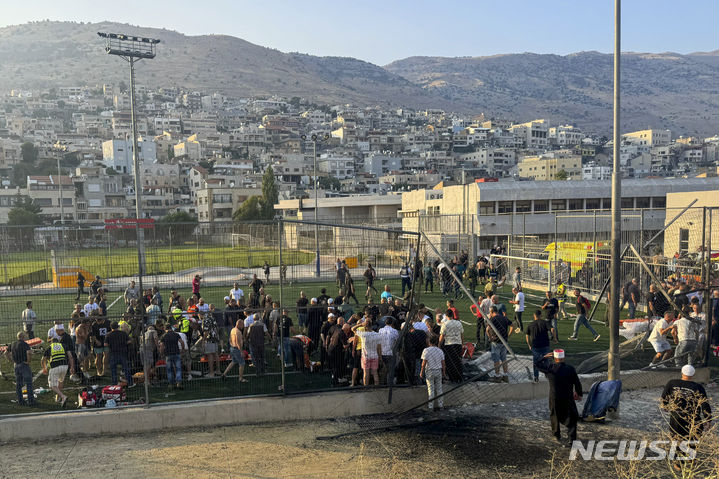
x,y
380,31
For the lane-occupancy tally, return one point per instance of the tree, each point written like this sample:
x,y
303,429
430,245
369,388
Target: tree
x,y
178,217
170,152
29,152
180,224
561,175
329,183
25,212
249,210
270,196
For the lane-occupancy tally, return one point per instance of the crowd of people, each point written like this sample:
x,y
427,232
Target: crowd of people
x,y
359,344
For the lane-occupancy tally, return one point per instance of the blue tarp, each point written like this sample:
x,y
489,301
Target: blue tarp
x,y
603,396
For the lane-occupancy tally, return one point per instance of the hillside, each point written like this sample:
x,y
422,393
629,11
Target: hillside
x,y
45,54
666,90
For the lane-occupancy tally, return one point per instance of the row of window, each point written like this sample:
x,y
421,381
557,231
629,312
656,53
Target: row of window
x,y
488,207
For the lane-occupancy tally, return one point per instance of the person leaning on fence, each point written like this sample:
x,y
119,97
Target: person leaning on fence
x,y
433,370
685,337
21,355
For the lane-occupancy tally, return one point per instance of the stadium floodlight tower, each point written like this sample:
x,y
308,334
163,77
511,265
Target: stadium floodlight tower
x,y
133,49
315,139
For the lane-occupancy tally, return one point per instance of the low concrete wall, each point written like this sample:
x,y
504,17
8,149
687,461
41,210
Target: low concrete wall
x,y
325,405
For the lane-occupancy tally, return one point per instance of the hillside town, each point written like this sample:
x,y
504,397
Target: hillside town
x,y
69,150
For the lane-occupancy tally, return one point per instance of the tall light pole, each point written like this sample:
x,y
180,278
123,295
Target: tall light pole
x,y
315,139
616,238
133,49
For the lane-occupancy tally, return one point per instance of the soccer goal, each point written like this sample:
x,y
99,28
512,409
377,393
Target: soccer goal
x,y
536,272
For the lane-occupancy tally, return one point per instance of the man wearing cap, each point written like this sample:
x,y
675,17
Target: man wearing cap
x,y
688,405
564,389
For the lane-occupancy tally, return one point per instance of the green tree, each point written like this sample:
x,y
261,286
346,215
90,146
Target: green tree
x,y
270,196
329,183
179,224
561,175
249,210
29,152
179,217
170,152
25,213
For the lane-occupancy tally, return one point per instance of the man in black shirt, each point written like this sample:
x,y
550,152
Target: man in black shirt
x,y
323,297
634,296
551,306
688,405
256,284
19,353
504,327
564,389
538,334
285,330
118,341
658,304
170,345
99,330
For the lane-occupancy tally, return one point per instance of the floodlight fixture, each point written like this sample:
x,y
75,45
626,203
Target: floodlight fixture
x,y
128,46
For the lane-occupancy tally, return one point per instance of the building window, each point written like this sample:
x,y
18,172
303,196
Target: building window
x,y
523,206
540,206
505,207
576,205
607,204
683,240
594,203
627,203
486,207
559,205
659,202
643,202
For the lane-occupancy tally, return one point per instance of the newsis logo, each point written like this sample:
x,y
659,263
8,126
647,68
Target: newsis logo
x,y
633,450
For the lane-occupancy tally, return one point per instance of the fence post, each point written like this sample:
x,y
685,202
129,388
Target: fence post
x,y
282,339
594,252
708,274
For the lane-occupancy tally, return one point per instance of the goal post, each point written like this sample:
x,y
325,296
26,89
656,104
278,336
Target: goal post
x,y
536,272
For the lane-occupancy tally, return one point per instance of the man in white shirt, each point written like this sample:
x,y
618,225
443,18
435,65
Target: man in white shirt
x,y
658,338
518,303
433,370
685,335
185,354
90,306
237,294
371,351
451,337
388,337
203,308
249,320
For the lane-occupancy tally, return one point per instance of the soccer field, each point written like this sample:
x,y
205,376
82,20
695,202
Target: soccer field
x,y
60,305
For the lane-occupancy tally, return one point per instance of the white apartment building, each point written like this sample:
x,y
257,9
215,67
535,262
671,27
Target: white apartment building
x,y
493,160
379,164
117,154
340,167
534,134
596,172
565,135
649,138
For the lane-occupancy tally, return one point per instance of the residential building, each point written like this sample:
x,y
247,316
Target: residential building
x,y
117,154
533,134
47,192
339,167
380,164
547,166
648,138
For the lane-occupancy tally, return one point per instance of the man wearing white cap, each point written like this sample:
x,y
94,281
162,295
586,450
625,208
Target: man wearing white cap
x,y
688,405
564,389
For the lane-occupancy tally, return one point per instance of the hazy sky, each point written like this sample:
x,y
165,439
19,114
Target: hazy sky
x,y
380,31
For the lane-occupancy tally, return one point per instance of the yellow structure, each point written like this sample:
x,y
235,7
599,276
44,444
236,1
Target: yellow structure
x,y
546,167
684,236
66,277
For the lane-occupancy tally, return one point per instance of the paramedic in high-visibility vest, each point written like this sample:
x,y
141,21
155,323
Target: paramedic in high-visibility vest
x,y
58,360
561,298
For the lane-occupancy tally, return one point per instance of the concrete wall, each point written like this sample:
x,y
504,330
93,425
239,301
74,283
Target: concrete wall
x,y
341,403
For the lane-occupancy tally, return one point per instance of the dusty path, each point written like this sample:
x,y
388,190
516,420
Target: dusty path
x,y
501,440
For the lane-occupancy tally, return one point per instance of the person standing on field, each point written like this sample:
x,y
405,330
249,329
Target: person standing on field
x,y
582,310
432,371
28,320
518,303
564,389
21,355
236,351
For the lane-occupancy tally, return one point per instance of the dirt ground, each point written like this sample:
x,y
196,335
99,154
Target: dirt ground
x,y
504,440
